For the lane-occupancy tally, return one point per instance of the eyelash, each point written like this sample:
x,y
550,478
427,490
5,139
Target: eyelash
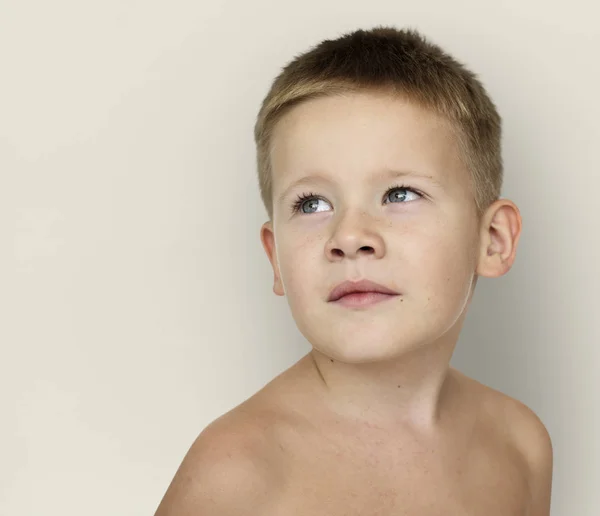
x,y
305,197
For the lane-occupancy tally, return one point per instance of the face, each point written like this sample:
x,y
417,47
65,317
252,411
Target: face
x,y
371,187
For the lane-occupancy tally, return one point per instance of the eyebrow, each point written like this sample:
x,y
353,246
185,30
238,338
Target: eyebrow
x,y
386,174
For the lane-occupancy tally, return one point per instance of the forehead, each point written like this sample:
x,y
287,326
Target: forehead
x,y
357,134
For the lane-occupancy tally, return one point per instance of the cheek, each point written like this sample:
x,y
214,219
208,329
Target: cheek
x,y
446,268
297,256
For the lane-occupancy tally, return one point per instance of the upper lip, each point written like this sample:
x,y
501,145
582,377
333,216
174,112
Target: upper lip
x,y
347,287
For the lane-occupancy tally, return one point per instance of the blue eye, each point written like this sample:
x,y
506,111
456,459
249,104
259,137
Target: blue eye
x,y
308,203
401,189
304,200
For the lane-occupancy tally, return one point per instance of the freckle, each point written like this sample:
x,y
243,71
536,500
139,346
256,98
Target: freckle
x,y
331,359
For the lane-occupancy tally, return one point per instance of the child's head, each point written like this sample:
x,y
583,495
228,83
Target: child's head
x,y
379,158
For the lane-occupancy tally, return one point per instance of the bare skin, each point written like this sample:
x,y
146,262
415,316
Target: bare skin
x,y
471,463
282,452
374,421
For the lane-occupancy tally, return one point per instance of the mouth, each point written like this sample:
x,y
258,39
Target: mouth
x,y
360,293
363,299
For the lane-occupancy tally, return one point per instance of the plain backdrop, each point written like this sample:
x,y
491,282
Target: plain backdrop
x,y
137,301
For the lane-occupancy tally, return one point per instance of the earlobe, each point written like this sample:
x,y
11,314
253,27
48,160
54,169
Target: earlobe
x,y
267,238
500,233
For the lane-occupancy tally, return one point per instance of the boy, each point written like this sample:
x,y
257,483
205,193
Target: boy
x,y
380,168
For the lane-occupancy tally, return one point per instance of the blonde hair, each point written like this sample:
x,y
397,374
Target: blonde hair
x,y
404,63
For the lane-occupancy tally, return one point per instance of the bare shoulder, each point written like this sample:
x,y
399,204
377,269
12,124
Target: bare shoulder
x,y
234,463
534,442
226,470
518,423
519,426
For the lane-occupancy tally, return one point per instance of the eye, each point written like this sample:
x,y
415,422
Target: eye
x,y
400,194
307,203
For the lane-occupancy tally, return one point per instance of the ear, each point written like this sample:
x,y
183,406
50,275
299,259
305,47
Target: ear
x,y
267,237
499,235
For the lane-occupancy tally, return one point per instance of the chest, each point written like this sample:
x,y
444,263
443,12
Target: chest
x,y
350,480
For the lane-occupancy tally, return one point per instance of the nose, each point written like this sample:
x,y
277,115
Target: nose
x,y
354,236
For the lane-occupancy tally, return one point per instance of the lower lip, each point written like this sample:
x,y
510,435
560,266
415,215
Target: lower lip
x,y
363,299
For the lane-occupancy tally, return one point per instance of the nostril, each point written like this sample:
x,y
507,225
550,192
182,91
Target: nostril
x,y
366,248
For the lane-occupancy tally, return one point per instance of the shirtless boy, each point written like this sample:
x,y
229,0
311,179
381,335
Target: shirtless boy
x,y
379,163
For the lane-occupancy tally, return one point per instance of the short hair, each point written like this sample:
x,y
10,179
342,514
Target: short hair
x,y
402,62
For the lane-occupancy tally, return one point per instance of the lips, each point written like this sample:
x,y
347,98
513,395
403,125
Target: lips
x,y
349,287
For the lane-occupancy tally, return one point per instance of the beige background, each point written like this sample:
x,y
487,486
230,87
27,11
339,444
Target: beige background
x,y
137,303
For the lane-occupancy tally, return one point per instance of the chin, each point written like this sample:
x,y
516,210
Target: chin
x,y
360,348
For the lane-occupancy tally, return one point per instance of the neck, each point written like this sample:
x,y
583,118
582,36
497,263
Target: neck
x,y
409,390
